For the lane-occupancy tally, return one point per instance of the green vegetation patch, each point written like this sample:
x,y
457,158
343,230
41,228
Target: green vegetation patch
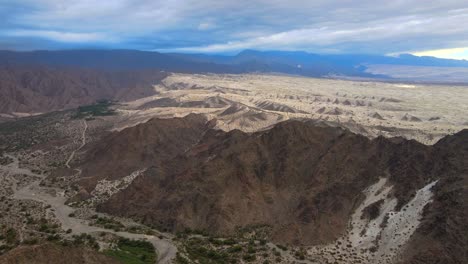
x,y
206,255
8,239
109,223
140,230
248,245
133,252
83,239
100,108
11,236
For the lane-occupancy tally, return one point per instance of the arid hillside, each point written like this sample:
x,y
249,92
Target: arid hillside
x,y
144,145
303,180
26,90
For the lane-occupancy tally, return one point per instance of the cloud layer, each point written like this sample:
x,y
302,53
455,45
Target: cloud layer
x,y
229,26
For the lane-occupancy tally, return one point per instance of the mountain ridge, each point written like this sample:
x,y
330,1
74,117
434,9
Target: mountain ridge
x,y
38,89
304,179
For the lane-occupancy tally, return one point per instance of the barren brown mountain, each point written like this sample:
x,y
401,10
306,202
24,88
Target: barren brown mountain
x,y
304,179
37,89
142,146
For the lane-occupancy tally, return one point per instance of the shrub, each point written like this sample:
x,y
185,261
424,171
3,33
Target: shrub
x,y
11,236
249,257
234,249
133,251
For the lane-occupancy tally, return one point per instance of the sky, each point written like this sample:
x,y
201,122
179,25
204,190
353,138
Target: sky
x,y
421,27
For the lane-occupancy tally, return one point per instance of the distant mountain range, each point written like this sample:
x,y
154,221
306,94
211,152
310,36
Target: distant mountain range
x,y
298,63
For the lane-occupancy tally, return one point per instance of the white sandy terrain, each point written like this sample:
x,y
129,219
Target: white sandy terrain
x,y
402,224
106,188
364,233
415,111
377,240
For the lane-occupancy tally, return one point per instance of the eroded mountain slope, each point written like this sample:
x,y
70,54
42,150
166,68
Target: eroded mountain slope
x,y
26,90
303,179
139,147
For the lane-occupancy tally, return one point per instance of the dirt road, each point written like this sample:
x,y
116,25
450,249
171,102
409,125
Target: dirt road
x,y
83,142
164,247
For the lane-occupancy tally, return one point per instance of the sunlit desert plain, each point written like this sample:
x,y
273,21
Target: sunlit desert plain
x,y
252,102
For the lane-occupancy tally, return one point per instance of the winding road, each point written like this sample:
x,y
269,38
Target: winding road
x,y
165,249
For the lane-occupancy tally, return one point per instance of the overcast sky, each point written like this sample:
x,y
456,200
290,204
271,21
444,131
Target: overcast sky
x,y
214,26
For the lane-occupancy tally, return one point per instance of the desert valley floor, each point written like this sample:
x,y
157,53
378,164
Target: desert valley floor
x,y
415,111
